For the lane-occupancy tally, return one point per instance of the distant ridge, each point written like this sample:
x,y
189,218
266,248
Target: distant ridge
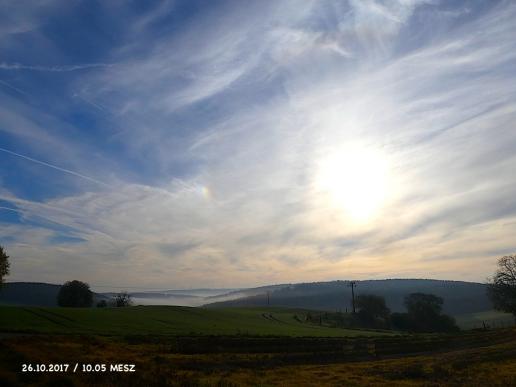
x,y
29,294
460,297
33,294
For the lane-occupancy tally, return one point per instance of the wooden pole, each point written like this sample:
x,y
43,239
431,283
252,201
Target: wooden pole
x,y
352,284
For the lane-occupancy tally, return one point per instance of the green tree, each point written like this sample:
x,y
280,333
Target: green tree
x,y
402,321
502,289
75,294
423,306
424,315
372,310
4,264
102,304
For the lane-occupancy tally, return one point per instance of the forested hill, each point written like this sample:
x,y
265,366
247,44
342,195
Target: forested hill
x,y
34,294
459,297
29,293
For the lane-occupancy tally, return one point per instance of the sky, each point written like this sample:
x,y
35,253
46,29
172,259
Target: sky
x,y
194,144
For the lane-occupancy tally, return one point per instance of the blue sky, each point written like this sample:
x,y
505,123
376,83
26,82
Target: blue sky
x,y
170,144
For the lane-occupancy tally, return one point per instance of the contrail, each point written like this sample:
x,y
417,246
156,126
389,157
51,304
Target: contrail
x,y
13,88
9,209
63,68
55,167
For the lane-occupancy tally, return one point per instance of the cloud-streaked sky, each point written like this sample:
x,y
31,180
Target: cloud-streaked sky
x,y
173,144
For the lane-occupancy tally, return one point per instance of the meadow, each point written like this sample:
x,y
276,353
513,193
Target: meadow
x,y
491,318
168,320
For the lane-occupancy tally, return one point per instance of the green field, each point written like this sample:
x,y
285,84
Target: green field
x,y
492,319
167,320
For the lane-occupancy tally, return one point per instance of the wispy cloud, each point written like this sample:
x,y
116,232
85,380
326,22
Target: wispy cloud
x,y
220,127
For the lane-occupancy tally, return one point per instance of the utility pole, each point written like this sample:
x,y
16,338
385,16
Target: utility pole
x,y
352,284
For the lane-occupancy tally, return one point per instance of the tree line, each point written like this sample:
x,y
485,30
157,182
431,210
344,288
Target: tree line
x,y
77,294
424,314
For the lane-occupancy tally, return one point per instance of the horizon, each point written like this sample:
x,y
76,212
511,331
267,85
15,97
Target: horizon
x,y
95,288
176,144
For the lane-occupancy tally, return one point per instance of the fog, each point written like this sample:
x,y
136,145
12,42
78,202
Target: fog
x,y
194,297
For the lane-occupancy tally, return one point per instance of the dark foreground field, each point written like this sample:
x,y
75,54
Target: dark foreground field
x,y
258,347
472,359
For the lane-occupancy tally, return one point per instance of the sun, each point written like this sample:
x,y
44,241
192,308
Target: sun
x,y
354,180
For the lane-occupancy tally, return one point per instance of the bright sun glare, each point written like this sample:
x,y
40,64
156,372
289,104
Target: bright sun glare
x,y
354,181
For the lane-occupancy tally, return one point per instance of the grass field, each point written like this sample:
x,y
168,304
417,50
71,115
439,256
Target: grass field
x,y
491,318
167,320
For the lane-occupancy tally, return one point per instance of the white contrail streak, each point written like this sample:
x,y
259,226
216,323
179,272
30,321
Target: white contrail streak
x,y
9,209
54,167
12,87
62,68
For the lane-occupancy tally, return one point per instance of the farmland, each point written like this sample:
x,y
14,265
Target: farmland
x,y
477,358
167,320
491,318
180,346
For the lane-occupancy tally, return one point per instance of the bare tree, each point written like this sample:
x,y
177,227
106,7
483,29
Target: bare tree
x,y
4,264
502,288
123,299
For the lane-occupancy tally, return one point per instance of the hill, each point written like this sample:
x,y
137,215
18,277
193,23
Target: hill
x,y
459,297
43,294
166,320
33,294
29,293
